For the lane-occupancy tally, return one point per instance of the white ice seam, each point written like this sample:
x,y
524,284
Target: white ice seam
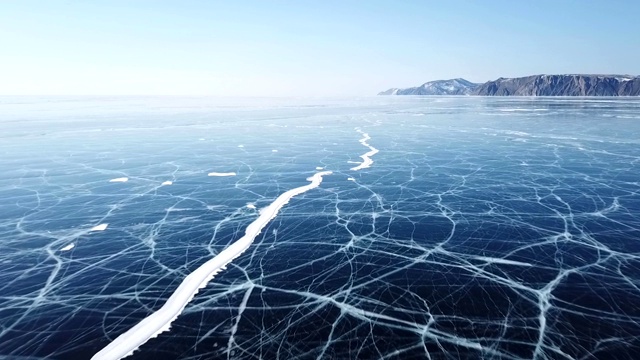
x,y
159,321
366,158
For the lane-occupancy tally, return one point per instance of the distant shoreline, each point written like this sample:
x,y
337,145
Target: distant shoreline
x,y
534,85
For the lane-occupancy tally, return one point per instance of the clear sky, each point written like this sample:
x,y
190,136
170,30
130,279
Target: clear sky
x,y
303,48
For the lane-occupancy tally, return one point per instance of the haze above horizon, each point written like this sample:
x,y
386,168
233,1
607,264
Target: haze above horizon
x,y
303,48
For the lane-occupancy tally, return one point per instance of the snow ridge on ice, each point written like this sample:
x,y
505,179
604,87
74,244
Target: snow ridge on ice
x,y
160,321
366,158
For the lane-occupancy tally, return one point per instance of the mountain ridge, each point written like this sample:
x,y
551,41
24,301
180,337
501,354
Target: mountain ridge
x,y
533,85
457,86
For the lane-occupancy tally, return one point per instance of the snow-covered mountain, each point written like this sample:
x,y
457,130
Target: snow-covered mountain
x,y
438,87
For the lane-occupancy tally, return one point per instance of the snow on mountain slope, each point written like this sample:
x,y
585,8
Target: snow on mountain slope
x,y
438,87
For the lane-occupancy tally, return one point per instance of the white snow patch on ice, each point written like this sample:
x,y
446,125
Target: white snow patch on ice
x,y
120,179
167,183
251,206
222,174
160,321
319,168
100,227
68,247
351,179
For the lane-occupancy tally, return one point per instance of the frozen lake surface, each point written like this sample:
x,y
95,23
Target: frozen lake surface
x,y
372,228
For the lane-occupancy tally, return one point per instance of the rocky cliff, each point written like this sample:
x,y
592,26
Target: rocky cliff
x,y
562,85
536,85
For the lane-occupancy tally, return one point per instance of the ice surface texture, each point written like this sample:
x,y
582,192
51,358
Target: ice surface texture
x,y
483,228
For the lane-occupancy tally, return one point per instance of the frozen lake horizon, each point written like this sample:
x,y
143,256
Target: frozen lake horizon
x,y
376,227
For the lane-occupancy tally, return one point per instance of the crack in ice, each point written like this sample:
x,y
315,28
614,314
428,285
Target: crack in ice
x,y
160,321
366,158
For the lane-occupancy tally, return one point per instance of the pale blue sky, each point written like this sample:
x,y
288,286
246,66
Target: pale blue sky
x,y
303,48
